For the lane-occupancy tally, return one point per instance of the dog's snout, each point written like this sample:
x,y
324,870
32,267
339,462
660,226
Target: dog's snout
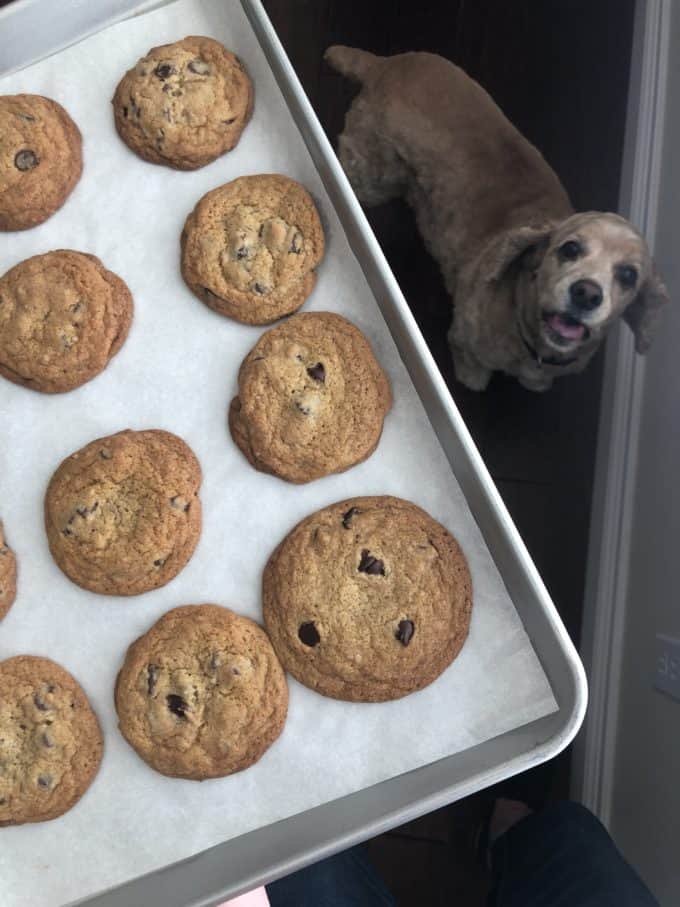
x,y
585,294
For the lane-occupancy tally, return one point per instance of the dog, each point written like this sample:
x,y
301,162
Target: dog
x,y
535,286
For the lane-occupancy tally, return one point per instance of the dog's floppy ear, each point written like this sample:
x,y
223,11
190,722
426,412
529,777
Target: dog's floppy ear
x,y
642,314
520,242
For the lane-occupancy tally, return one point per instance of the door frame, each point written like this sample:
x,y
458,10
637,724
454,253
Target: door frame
x,y
619,428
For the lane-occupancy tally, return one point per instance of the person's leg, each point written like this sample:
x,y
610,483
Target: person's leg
x,y
561,856
346,880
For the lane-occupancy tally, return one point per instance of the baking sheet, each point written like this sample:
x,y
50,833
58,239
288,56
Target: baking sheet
x,y
178,371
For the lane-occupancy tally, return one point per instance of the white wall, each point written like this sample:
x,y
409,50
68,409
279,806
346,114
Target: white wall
x,y
645,797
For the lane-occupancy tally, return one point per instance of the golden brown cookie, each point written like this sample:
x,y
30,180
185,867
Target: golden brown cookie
x,y
50,741
40,159
311,400
201,694
184,104
367,600
250,247
63,316
123,514
8,575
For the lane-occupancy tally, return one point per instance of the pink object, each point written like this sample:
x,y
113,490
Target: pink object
x,y
566,327
257,898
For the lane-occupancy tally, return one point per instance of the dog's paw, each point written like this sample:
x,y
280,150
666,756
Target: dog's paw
x,y
473,376
539,385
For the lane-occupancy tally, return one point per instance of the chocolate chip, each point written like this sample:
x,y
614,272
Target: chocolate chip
x,y
66,531
164,71
179,503
159,562
229,121
200,67
296,244
236,672
260,288
40,703
177,705
308,634
405,632
47,740
241,252
26,159
371,565
317,372
347,517
125,112
305,410
45,781
152,673
2,801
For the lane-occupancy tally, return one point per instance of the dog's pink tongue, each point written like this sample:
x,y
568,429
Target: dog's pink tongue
x,y
572,330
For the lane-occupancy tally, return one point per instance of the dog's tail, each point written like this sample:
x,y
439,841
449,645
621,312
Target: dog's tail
x,y
353,63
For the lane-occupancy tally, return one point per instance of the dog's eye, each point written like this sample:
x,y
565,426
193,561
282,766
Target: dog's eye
x,y
570,250
627,275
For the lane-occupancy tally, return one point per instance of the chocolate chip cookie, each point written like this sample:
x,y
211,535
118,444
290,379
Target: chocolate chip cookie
x,y
367,600
184,104
40,159
63,316
50,741
311,398
201,694
250,247
123,514
8,575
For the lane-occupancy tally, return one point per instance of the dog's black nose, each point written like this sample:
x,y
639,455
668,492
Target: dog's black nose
x,y
585,294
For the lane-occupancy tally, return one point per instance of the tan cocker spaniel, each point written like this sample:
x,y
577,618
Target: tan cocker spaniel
x,y
535,286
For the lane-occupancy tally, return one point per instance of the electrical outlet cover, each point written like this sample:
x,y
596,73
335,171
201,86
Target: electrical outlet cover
x,y
667,665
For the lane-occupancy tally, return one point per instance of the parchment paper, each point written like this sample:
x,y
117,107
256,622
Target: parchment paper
x,y
178,371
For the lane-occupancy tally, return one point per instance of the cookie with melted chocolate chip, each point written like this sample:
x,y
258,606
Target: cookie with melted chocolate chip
x,y
311,400
367,600
250,248
202,693
122,514
50,741
184,104
40,159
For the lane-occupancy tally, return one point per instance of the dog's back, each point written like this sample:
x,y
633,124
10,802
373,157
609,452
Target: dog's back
x,y
443,129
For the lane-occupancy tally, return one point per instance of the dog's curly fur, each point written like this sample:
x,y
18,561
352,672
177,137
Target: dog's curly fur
x,y
496,218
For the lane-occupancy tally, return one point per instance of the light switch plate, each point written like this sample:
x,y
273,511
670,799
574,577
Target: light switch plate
x,y
667,665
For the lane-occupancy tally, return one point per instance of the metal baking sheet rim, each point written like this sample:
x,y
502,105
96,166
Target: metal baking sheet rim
x,y
269,853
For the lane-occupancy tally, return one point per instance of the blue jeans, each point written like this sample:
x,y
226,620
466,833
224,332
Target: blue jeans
x,y
561,856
